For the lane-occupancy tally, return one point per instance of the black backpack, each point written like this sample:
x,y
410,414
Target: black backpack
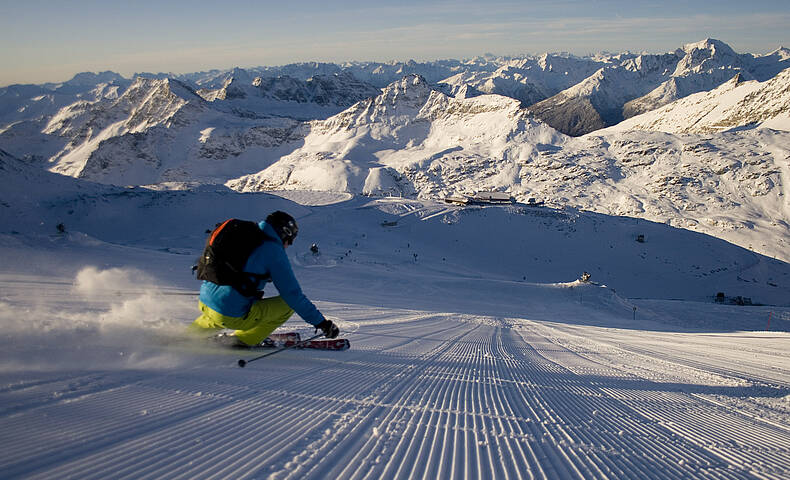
x,y
225,255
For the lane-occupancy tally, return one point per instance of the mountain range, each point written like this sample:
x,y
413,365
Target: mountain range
x,y
631,85
735,104
704,143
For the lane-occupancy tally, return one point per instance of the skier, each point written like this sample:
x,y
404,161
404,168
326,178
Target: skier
x,y
253,318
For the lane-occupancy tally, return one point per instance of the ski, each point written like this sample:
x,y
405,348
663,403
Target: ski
x,y
278,342
283,337
274,340
312,342
327,344
323,344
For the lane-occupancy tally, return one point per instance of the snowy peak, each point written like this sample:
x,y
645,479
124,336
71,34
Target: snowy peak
x,y
336,90
706,56
715,48
580,93
679,87
511,81
146,103
396,103
152,89
780,53
638,84
158,101
340,89
231,88
649,65
590,104
734,104
411,139
282,88
108,136
765,67
412,89
527,79
90,79
465,91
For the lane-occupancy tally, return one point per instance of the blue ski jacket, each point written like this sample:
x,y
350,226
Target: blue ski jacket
x,y
270,260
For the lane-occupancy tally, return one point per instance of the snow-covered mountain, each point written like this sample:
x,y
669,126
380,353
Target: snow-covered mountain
x,y
319,96
575,95
161,129
107,140
734,104
410,140
378,74
416,141
427,139
528,80
25,110
591,104
20,103
639,84
157,130
702,66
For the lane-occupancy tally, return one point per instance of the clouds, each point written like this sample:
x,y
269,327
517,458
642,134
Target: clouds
x,y
180,36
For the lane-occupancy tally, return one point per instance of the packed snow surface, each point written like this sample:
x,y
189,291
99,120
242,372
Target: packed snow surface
x,y
475,352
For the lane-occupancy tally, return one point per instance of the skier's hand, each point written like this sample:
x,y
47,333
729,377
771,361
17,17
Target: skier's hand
x,y
330,329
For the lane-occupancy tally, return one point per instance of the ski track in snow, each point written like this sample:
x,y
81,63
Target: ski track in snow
x,y
420,395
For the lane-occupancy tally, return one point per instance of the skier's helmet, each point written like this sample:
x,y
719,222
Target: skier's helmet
x,y
284,225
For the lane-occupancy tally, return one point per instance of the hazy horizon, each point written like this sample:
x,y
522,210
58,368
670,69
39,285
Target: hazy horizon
x,y
43,43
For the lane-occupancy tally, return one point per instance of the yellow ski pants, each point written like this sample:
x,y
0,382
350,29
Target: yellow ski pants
x,y
263,318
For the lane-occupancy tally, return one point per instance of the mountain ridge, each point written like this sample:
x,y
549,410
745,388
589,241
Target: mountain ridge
x,y
737,103
646,82
427,139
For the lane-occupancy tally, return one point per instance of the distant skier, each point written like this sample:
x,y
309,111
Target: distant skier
x,y
240,305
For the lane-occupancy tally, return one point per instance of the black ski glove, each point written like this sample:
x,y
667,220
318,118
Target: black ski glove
x,y
330,329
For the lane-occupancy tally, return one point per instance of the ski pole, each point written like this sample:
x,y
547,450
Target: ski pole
x,y
243,363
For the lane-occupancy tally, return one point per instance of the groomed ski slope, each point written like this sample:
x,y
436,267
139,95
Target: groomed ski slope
x,y
420,395
450,374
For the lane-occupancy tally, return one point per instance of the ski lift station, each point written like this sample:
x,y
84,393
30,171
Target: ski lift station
x,y
480,198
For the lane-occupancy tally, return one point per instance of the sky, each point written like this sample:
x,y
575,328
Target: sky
x,y
51,40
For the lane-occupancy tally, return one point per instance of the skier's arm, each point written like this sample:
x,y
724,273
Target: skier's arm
x,y
285,282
